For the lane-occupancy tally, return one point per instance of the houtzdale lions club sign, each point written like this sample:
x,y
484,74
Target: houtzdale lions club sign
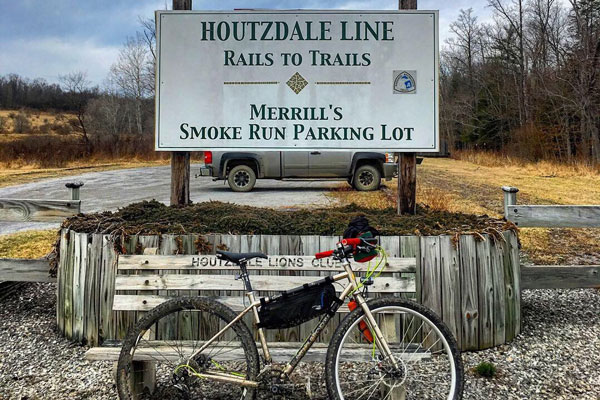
x,y
297,80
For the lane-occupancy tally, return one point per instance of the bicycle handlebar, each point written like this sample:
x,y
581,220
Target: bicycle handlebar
x,y
352,241
324,254
345,242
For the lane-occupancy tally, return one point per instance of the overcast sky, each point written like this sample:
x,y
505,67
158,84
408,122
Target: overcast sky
x,y
46,38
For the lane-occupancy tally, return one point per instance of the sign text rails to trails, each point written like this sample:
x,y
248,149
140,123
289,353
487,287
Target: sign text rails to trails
x,y
297,80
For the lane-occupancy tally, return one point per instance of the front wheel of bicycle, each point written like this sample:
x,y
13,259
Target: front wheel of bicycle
x,y
427,364
158,359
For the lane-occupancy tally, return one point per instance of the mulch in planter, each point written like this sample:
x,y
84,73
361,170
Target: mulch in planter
x,y
153,217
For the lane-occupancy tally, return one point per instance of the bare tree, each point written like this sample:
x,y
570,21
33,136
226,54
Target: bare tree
x,y
466,41
513,14
149,36
79,91
131,73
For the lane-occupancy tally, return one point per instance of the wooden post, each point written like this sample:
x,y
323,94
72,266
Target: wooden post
x,y
180,160
407,162
510,198
407,4
74,189
407,183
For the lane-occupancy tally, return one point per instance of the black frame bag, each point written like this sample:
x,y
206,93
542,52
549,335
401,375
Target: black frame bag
x,y
298,305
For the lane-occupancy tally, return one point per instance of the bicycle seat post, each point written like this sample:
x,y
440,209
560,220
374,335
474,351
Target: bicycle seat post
x,y
244,275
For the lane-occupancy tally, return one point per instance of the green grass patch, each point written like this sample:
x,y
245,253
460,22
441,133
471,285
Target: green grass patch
x,y
486,369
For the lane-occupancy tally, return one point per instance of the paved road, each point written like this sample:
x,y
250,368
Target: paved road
x,y
110,190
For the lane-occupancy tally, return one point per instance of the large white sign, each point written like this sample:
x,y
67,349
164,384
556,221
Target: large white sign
x,y
297,80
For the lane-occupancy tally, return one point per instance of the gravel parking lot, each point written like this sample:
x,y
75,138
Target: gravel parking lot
x,y
110,190
556,356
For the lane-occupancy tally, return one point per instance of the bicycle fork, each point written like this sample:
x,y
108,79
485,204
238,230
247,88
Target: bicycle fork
x,y
379,339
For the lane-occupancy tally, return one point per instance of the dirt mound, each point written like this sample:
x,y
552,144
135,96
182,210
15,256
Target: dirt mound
x,y
152,217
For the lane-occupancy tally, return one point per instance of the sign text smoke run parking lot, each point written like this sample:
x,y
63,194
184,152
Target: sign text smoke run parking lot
x,y
297,80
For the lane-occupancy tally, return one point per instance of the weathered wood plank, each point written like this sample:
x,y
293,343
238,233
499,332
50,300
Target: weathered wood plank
x,y
38,210
431,274
560,276
450,287
469,299
187,322
516,266
68,288
166,328
431,288
25,270
92,283
410,247
79,287
486,293
141,302
107,288
545,216
274,262
497,262
149,245
281,352
60,277
290,244
510,291
391,246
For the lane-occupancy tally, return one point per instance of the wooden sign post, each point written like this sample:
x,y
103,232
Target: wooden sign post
x,y
180,160
407,162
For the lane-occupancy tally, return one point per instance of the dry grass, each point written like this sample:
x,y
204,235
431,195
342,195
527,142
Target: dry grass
x,y
379,199
27,244
473,186
36,118
545,168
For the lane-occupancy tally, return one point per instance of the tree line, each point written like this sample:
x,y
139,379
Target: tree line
x,y
526,83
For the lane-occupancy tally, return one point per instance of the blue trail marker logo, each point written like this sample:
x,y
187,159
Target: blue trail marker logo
x,y
405,82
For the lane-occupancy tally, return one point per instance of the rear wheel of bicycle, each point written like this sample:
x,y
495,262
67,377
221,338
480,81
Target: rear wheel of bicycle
x,y
428,363
164,341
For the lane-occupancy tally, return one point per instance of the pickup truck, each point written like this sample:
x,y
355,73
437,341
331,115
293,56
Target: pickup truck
x,y
362,170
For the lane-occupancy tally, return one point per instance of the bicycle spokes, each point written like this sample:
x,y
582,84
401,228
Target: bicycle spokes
x,y
423,368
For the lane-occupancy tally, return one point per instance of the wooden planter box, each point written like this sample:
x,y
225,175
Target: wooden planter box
x,y
473,284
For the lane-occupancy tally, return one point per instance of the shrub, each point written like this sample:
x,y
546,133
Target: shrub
x,y
3,125
44,151
62,128
44,128
21,123
485,369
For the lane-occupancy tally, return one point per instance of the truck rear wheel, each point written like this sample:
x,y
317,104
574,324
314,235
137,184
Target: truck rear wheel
x,y
242,178
367,177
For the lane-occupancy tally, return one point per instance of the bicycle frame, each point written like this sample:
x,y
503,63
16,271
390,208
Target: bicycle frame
x,y
351,288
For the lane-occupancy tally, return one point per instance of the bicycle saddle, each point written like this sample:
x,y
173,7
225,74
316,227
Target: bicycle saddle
x,y
238,258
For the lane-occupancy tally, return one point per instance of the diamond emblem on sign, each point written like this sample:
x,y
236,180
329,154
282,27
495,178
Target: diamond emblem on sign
x,y
297,83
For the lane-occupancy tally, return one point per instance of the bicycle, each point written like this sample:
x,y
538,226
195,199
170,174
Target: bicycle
x,y
385,348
